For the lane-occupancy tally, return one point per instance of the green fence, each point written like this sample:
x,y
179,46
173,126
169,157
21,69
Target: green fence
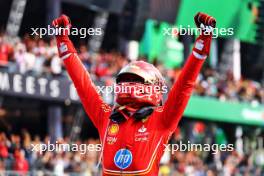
x,y
233,112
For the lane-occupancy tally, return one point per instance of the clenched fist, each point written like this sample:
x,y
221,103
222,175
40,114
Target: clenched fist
x,y
62,21
202,19
203,43
65,46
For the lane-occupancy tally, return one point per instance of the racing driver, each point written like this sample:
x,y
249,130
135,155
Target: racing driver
x,y
135,131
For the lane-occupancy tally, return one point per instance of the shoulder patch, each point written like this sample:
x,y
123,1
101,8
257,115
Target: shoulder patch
x,y
159,109
106,107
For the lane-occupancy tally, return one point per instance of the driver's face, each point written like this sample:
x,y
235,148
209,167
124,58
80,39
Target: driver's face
x,y
130,78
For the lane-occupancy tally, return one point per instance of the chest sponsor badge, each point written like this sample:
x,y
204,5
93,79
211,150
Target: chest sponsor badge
x,y
111,140
142,134
142,129
113,129
123,158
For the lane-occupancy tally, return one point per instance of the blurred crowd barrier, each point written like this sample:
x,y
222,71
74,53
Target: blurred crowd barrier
x,y
18,158
39,57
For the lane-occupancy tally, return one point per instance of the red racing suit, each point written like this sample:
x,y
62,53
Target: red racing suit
x,y
133,147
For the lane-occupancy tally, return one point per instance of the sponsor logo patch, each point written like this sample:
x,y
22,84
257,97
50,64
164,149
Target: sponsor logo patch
x,y
142,134
113,129
111,140
123,158
142,129
63,47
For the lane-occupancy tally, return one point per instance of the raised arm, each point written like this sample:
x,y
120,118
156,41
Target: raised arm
x,y
182,88
90,98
